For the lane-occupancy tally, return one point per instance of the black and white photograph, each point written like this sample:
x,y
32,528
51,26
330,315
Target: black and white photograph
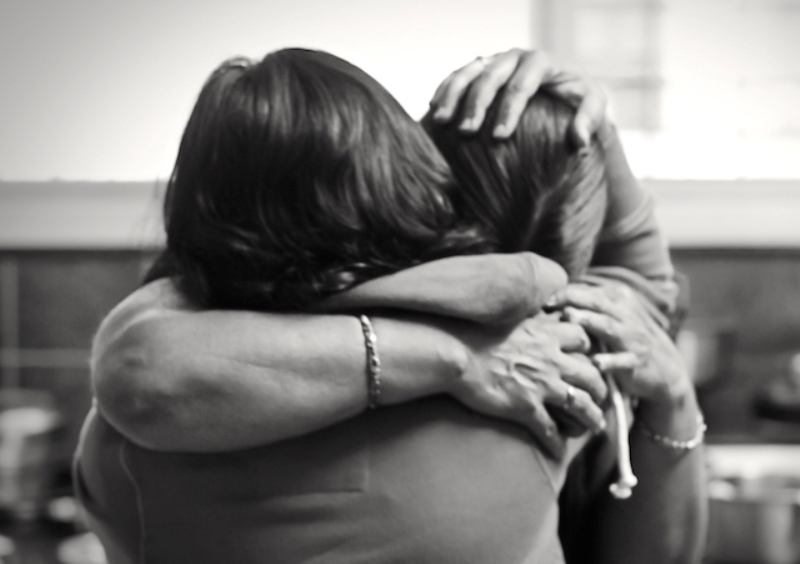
x,y
400,282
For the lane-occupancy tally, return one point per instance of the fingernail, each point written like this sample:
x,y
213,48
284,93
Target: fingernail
x,y
469,124
502,130
552,301
440,113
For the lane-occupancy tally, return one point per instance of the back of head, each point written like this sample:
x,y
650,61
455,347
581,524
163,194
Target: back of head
x,y
299,176
534,191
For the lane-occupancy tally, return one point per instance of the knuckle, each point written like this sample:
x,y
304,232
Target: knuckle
x,y
608,325
458,83
528,410
606,301
480,90
622,293
514,88
582,398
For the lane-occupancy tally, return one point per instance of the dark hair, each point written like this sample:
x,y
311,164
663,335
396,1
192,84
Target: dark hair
x,y
533,191
299,176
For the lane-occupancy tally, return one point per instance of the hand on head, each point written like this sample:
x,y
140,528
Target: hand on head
x,y
520,74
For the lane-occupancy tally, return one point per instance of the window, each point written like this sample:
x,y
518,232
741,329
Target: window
x,y
701,88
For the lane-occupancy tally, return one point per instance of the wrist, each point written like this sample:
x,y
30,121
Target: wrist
x,y
675,417
418,359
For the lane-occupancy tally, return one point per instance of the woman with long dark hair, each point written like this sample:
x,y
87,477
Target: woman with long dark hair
x,y
284,196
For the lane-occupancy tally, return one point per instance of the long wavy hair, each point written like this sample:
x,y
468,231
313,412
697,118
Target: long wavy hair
x,y
299,176
533,191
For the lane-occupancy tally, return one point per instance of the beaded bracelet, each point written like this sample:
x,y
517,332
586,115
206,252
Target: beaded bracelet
x,y
373,363
673,443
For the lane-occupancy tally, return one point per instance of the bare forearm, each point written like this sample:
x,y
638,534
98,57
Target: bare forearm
x,y
664,521
215,380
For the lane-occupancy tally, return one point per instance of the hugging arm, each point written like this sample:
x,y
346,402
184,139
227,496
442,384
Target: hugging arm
x,y
171,377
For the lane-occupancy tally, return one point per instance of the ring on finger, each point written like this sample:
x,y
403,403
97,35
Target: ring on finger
x,y
569,400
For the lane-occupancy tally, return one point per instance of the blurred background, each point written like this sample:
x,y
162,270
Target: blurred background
x,y
95,94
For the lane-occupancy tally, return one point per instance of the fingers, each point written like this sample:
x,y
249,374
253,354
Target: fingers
x,y
590,116
449,93
621,366
585,374
484,88
604,327
530,412
521,73
582,296
579,405
571,337
533,68
616,361
558,394
591,104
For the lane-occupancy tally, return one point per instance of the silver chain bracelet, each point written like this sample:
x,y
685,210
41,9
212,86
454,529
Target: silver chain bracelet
x,y
373,363
674,444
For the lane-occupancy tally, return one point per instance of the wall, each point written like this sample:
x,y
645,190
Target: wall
x,y
101,89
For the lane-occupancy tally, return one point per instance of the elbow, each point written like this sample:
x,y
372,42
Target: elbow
x,y
132,393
